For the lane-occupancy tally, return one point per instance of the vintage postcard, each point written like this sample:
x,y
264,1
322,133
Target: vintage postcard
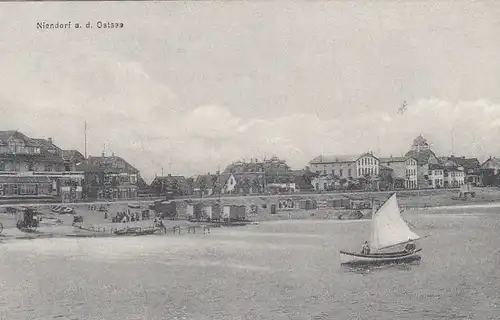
x,y
249,160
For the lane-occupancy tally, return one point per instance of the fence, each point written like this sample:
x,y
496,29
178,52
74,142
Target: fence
x,y
146,230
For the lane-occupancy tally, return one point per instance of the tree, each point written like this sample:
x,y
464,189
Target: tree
x,y
175,187
308,175
399,183
190,185
203,187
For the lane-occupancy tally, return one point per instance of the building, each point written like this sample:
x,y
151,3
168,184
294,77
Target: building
x,y
454,175
421,151
34,168
303,180
404,169
71,159
472,170
339,170
253,177
436,176
209,184
346,166
323,182
336,166
109,178
490,171
244,183
420,145
178,185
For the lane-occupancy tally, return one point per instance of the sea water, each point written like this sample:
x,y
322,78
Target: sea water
x,y
275,270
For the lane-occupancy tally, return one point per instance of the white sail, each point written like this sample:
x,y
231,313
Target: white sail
x,y
388,227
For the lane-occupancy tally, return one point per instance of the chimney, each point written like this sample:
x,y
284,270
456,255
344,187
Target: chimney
x,y
113,154
103,154
50,140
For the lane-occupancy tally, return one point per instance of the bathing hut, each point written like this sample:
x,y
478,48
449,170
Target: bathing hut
x,y
193,211
234,213
211,213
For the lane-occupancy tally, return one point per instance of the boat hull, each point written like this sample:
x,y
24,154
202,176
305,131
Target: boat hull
x,y
351,258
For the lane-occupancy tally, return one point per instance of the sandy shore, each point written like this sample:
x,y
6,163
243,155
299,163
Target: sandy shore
x,y
61,225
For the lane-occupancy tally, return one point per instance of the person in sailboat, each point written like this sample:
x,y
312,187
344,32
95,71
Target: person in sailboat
x,y
366,248
410,246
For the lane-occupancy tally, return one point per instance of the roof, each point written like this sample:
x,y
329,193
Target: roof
x,y
302,183
395,159
332,159
340,158
110,161
298,173
420,141
170,177
208,180
422,156
435,166
46,143
72,155
6,135
468,163
495,161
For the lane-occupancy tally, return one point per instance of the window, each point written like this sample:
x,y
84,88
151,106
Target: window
x,y
324,185
333,172
341,172
349,173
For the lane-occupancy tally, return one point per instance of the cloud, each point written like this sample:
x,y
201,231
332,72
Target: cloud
x,y
141,119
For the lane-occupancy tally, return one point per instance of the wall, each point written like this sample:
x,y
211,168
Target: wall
x,y
367,164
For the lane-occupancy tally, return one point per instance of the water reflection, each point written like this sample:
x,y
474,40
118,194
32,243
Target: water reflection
x,y
369,268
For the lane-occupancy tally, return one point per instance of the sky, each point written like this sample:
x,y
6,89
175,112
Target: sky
x,y
188,87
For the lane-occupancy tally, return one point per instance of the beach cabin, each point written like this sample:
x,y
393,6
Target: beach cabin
x,y
211,213
193,211
234,213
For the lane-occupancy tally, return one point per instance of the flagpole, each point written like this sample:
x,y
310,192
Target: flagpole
x,y
85,132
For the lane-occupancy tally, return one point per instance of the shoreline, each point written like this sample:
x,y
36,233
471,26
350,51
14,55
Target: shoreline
x,y
432,200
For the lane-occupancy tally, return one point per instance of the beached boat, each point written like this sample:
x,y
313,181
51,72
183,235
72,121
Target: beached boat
x,y
391,239
136,231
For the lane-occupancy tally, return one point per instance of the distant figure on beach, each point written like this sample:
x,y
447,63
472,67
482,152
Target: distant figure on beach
x,y
410,247
366,248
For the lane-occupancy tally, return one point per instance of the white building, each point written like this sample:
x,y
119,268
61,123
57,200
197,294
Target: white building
x,y
454,174
436,176
403,168
346,166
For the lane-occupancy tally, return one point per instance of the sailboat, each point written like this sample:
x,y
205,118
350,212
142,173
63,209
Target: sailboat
x,y
388,233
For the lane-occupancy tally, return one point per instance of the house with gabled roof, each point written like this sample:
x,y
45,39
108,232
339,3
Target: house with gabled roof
x,y
490,171
403,168
110,177
421,151
365,166
178,185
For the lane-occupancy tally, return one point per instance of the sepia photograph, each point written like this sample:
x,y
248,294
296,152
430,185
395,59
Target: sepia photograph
x,y
302,160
